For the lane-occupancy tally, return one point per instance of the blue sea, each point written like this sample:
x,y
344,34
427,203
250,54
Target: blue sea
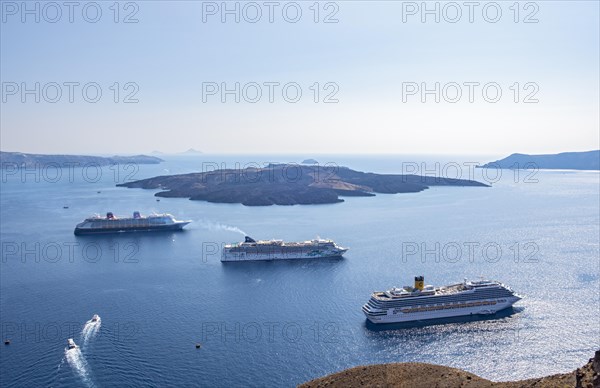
x,y
278,324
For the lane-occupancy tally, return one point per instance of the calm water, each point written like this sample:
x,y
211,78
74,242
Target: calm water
x,y
283,323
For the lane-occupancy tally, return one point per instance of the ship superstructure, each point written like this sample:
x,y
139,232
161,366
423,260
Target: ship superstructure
x,y
250,250
422,302
137,223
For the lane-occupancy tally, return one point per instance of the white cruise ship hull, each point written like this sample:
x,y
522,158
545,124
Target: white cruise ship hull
x,y
176,226
281,255
137,223
468,308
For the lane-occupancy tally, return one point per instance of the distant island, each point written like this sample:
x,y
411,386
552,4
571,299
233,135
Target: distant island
x,y
190,151
309,161
421,375
40,160
288,184
589,160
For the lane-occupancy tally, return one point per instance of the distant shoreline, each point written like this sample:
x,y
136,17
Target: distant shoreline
x,y
585,161
19,159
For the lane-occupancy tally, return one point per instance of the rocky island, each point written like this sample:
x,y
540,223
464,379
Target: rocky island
x,y
288,184
589,160
420,375
40,160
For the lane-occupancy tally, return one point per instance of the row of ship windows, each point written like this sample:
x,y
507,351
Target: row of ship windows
x,y
374,313
445,307
379,304
120,224
265,250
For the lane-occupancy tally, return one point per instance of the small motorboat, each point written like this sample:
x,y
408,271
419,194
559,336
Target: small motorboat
x,y
95,318
71,344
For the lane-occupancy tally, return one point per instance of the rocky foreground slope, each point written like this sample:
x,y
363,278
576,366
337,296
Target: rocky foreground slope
x,y
419,375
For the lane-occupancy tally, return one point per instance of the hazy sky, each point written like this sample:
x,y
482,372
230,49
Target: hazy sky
x,y
375,61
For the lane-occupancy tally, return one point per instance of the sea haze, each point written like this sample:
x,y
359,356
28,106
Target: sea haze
x,y
283,323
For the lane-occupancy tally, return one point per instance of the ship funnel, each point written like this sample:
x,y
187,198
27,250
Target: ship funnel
x,y
419,282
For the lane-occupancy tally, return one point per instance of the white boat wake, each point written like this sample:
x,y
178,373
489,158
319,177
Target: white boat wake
x,y
90,330
77,362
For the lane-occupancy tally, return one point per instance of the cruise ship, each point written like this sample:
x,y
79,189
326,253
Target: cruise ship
x,y
250,250
428,302
137,223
